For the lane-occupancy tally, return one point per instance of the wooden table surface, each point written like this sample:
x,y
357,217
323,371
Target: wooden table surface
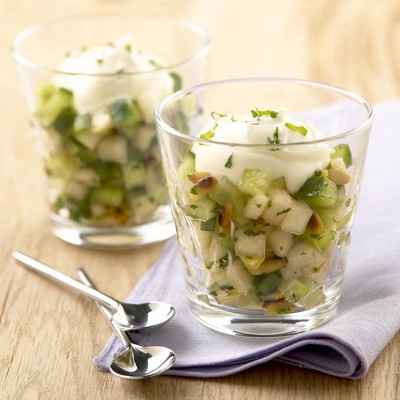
x,y
48,336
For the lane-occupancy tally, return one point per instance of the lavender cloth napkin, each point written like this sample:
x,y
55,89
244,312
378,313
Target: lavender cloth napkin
x,y
368,314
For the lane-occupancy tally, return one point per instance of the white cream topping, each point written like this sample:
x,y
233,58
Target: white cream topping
x,y
94,92
296,164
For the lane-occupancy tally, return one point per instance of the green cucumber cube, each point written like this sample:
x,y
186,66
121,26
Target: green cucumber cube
x,y
319,191
343,151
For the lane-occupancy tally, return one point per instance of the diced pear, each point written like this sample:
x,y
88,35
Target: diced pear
x,y
280,242
239,277
304,255
101,123
280,204
113,148
253,246
297,218
76,190
255,206
87,176
338,172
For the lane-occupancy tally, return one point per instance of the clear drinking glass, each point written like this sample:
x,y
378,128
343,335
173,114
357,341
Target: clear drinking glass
x,y
93,118
263,257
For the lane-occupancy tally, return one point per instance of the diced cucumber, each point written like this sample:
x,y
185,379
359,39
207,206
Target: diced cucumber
x,y
44,93
75,190
266,284
225,192
321,241
108,172
279,307
319,191
343,151
204,209
126,115
64,122
108,195
254,181
187,167
53,104
61,165
294,290
134,175
76,209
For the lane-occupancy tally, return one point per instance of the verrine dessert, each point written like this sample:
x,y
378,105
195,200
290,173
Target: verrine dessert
x,y
93,112
263,206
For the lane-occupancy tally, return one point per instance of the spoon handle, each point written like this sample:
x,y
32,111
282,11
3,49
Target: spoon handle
x,y
43,269
85,279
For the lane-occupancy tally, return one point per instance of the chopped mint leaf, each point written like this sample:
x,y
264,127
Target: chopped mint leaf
x,y
209,225
256,113
128,47
177,81
207,135
193,206
286,210
302,130
99,61
275,139
229,162
84,48
216,115
347,202
67,54
194,190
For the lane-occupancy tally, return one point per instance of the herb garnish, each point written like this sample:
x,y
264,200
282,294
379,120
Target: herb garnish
x,y
99,61
229,162
208,135
302,130
286,210
128,47
256,113
275,140
216,115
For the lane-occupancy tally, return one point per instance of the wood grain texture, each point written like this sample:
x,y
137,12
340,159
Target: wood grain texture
x,y
48,336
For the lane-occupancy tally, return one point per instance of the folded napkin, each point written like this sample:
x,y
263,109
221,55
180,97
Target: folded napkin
x,y
368,315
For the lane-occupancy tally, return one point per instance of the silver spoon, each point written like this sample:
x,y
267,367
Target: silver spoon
x,y
127,316
133,361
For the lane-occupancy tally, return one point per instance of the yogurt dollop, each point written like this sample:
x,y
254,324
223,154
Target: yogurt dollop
x,y
296,164
120,59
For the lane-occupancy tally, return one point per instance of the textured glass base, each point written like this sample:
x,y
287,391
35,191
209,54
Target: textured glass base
x,y
239,322
115,238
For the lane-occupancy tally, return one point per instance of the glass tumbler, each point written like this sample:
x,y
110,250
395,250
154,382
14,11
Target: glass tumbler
x,y
91,84
263,228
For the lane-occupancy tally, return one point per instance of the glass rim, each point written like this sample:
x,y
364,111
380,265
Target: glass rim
x,y
20,38
167,128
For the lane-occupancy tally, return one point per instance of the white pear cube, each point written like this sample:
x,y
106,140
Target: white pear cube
x,y
239,277
113,148
280,242
280,204
296,220
251,246
255,206
338,172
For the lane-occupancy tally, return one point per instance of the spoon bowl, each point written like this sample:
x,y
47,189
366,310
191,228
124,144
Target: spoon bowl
x,y
137,362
